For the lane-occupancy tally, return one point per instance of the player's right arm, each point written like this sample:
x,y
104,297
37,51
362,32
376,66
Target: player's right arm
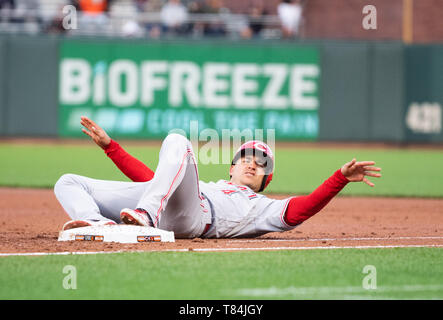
x,y
133,168
95,132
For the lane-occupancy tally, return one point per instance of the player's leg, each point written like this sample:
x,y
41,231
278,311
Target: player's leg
x,y
85,198
186,213
172,199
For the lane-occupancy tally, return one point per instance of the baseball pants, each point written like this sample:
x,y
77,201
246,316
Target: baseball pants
x,y
172,198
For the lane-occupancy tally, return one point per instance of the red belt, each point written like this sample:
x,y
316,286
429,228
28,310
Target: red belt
x,y
206,229
212,216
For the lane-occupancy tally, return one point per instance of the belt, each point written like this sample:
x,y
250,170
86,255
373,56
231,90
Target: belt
x,y
208,225
206,229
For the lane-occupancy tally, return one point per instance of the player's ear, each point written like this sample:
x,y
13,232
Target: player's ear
x,y
231,169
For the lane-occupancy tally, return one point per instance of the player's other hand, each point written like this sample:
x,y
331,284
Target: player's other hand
x,y
356,171
96,133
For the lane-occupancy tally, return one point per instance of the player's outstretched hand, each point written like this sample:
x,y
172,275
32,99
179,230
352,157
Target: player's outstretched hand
x,y
96,133
356,171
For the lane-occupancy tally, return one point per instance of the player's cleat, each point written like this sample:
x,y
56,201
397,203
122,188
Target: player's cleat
x,y
138,217
86,223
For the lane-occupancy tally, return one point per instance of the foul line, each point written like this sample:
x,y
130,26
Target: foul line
x,y
66,253
336,239
301,291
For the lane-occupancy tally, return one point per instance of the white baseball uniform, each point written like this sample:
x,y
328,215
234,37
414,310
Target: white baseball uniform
x,y
176,200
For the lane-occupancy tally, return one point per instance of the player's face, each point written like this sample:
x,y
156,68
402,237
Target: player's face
x,y
248,171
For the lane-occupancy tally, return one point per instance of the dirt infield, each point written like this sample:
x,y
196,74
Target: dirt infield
x,y
31,219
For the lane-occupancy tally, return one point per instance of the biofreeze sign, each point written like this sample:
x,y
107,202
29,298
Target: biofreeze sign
x,y
149,90
213,85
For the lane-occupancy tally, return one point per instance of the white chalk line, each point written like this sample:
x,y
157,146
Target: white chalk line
x,y
65,253
313,291
338,239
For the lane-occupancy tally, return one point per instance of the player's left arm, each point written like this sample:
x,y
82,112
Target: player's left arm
x,y
302,208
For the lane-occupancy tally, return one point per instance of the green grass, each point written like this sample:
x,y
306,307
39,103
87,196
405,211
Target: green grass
x,y
405,172
415,173
41,165
401,273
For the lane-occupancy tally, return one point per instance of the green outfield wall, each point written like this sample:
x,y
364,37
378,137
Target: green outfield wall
x,y
424,93
311,90
3,85
28,90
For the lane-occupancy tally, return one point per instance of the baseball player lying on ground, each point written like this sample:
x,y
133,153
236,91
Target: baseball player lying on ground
x,y
174,199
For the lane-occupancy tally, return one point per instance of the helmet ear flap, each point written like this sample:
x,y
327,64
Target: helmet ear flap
x,y
263,183
266,180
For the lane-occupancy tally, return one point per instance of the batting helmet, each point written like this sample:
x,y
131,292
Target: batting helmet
x,y
260,149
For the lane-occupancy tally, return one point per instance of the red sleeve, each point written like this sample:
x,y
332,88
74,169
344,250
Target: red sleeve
x,y
134,169
301,208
